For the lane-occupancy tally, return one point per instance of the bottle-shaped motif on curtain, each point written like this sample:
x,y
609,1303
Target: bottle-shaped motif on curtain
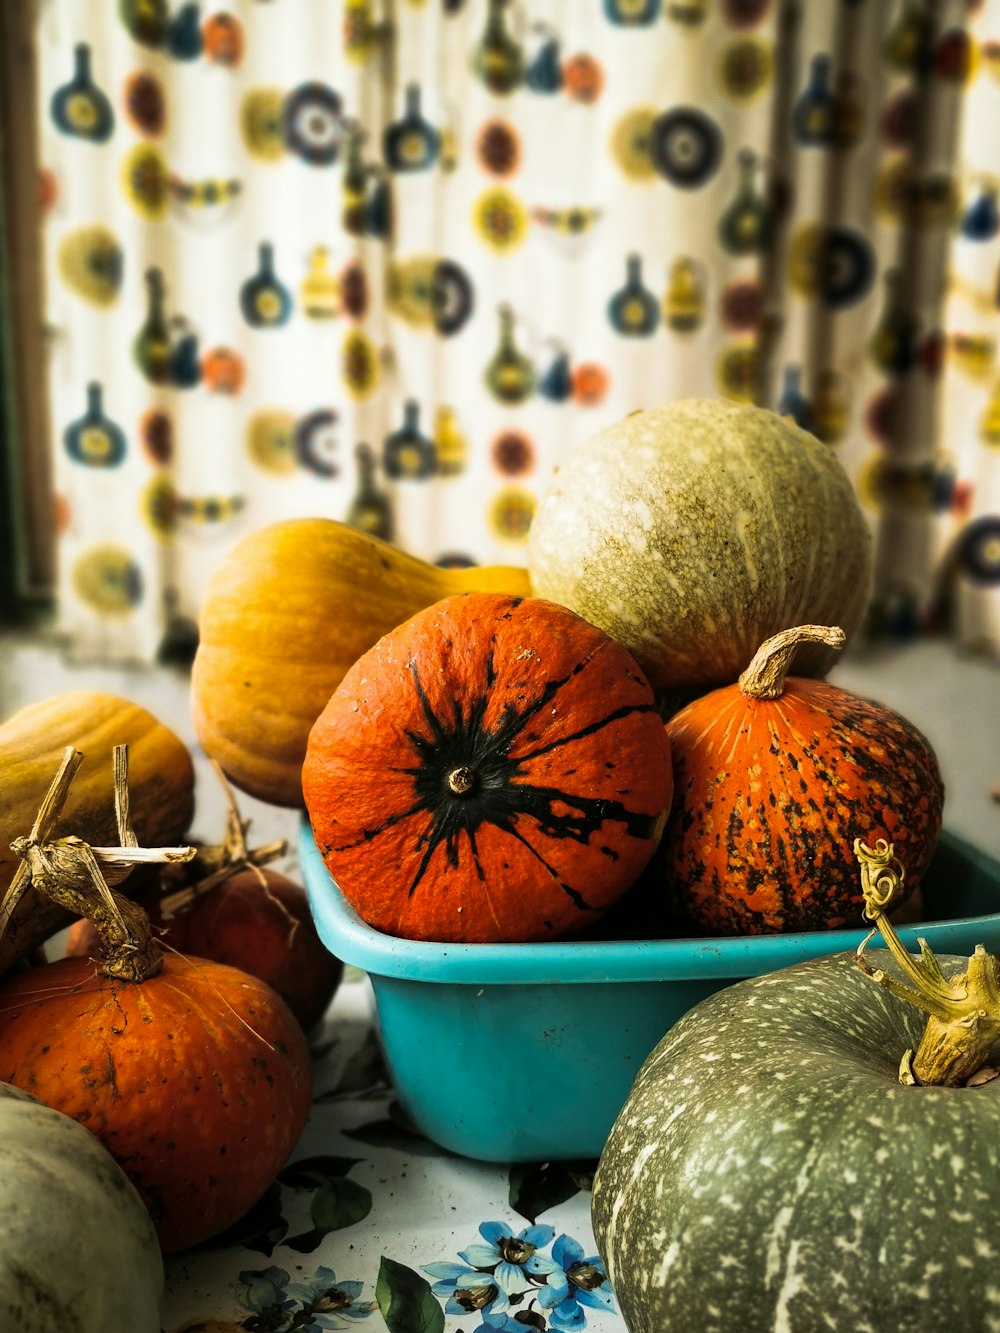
x,y
814,116
353,180
981,219
684,299
369,509
408,454
744,227
378,216
633,310
450,445
145,20
498,58
849,110
411,143
184,39
320,291
510,375
556,381
185,364
317,442
893,345
361,31
632,13
79,107
543,73
94,439
907,43
264,300
792,402
151,347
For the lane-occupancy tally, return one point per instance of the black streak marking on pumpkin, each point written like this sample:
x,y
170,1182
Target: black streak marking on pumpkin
x,y
497,797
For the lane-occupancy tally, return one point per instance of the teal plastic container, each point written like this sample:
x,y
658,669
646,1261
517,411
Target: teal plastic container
x,y
526,1052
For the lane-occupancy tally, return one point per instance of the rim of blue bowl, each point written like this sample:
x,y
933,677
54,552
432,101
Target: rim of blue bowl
x,y
347,936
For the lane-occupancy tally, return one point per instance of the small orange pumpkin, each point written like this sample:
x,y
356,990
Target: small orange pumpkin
x,y
494,769
774,778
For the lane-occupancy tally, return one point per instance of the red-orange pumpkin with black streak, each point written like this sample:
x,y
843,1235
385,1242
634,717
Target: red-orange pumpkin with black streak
x,y
197,1080
774,778
494,769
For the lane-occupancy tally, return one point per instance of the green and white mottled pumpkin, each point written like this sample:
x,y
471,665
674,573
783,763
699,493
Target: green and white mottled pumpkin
x,y
690,533
769,1172
78,1251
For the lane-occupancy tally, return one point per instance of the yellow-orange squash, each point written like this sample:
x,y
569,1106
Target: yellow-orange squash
x,y
774,778
32,743
492,770
289,610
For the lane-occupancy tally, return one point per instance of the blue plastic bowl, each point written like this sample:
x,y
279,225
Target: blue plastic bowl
x,y
526,1052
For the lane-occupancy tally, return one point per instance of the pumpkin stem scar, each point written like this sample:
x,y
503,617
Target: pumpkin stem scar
x,y
964,1022
461,780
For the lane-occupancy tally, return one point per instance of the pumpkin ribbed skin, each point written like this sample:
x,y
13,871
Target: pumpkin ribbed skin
x,y
692,532
770,795
769,1172
77,1247
566,759
32,744
199,1111
291,607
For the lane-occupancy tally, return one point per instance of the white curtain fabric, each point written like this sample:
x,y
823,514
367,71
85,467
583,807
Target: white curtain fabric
x,y
388,262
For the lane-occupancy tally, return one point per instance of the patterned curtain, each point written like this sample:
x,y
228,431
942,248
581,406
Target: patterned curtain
x,y
389,260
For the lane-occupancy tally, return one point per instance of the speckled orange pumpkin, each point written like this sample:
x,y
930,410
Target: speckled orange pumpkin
x,y
197,1080
774,778
493,770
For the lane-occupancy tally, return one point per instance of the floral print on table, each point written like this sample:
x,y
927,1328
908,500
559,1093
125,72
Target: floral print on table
x,y
342,248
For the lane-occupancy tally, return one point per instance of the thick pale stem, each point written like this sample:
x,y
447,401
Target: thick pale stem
x,y
764,678
964,1010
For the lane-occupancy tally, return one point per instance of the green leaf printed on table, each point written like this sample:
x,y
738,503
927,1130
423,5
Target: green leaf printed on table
x,y
337,1203
311,1172
397,1132
536,1186
405,1298
364,1074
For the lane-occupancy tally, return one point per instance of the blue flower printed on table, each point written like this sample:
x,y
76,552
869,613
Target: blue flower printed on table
x,y
276,1304
505,1278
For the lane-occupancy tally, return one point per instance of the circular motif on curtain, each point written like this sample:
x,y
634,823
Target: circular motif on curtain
x,y
591,384
745,68
893,182
222,37
223,371
270,440
511,512
317,443
513,453
107,579
354,290
48,190
956,56
740,305
145,103
91,264
686,147
834,264
631,143
146,181
738,371
158,506
451,297
880,414
500,219
359,364
498,148
408,290
156,432
261,123
583,78
745,13
898,121
313,123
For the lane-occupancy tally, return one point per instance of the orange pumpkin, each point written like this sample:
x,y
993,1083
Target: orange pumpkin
x,y
774,778
494,769
197,1079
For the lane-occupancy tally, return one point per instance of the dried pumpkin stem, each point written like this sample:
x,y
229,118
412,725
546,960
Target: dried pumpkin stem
x,y
964,1010
76,876
764,678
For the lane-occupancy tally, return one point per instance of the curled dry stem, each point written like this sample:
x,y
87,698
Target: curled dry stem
x,y
964,1010
79,877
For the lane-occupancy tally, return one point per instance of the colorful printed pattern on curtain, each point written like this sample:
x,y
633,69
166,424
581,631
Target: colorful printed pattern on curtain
x,y
390,262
